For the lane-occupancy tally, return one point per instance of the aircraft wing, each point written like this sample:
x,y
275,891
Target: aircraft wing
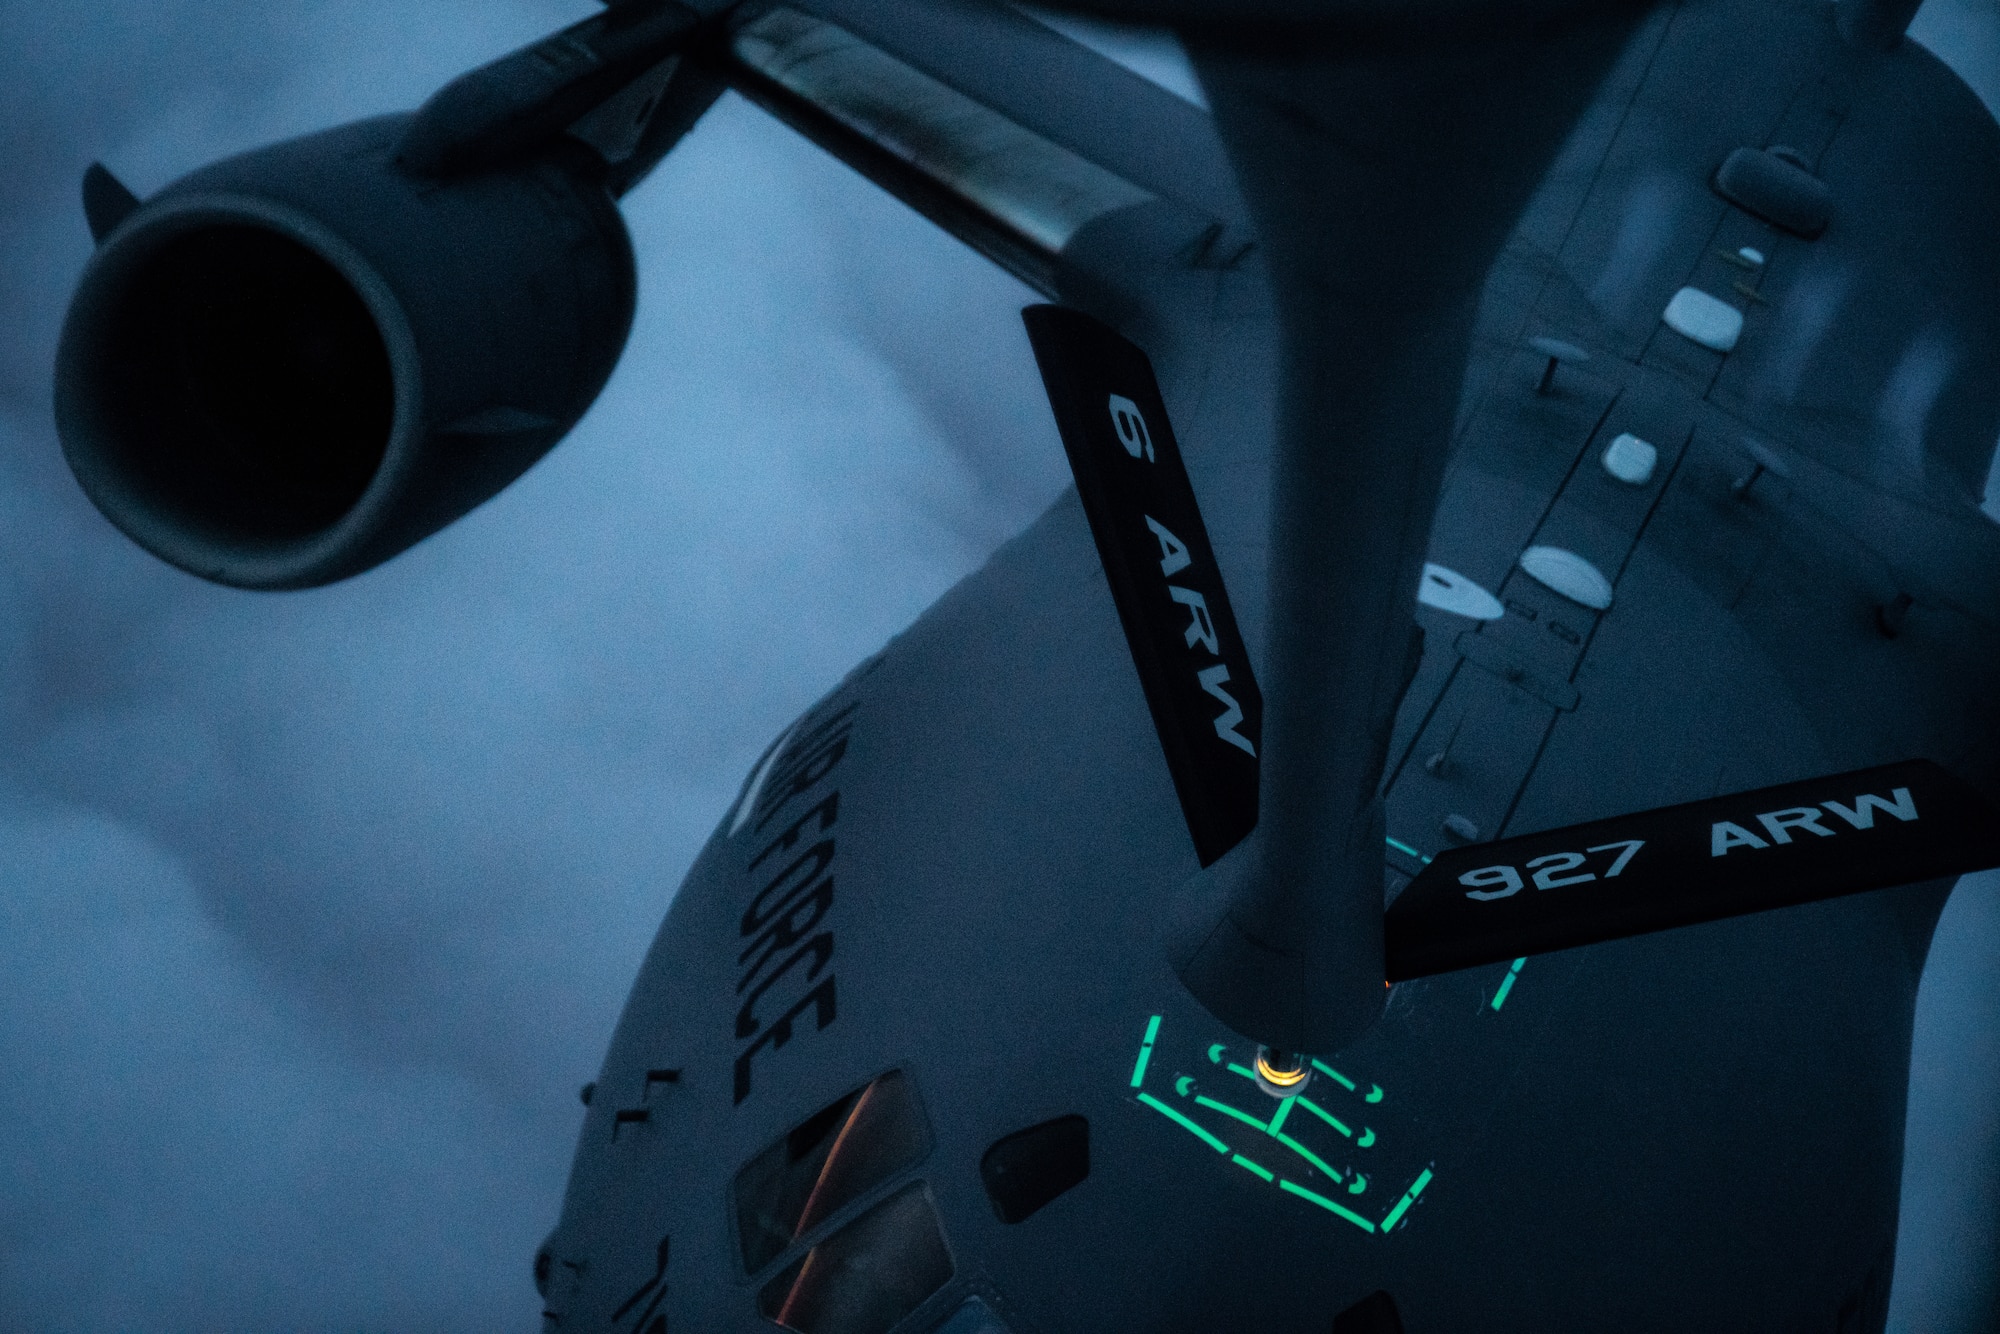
x,y
1004,132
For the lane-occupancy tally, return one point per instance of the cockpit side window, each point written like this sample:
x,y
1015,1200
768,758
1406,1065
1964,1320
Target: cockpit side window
x,y
868,1275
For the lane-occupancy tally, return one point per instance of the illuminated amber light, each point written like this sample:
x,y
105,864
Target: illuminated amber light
x,y
1287,1071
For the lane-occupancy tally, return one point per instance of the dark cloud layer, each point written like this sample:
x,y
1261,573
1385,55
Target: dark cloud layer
x,y
315,909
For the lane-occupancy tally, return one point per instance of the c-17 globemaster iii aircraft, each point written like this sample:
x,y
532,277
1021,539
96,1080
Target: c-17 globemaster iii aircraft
x,y
1440,829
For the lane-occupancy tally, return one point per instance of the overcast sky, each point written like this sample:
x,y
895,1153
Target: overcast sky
x,y
317,908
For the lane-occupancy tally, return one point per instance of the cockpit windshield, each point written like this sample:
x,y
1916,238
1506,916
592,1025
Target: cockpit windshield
x,y
825,1163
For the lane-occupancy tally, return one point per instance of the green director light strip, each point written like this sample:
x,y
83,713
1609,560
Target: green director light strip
x,y
1506,983
1310,1167
1403,847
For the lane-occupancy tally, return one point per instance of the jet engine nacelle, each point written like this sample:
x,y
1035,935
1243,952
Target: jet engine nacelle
x,y
289,366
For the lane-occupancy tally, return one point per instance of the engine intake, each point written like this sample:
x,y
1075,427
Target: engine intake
x,y
289,366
